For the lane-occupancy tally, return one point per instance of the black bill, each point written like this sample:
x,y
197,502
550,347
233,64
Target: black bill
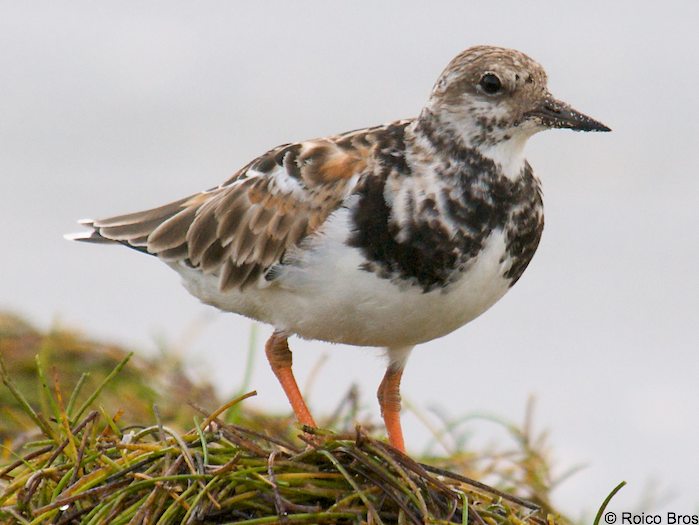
x,y
553,113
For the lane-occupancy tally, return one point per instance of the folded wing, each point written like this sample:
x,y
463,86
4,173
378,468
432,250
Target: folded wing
x,y
241,228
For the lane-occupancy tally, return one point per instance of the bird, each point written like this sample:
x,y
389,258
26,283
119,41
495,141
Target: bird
x,y
388,236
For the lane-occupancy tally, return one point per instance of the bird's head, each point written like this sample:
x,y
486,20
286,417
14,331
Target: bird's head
x,y
491,94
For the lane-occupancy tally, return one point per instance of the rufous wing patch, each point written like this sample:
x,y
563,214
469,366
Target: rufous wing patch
x,y
324,162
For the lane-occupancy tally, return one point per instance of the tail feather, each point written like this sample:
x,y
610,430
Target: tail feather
x,y
131,230
95,237
91,236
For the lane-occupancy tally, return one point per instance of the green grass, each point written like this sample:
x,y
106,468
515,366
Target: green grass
x,y
91,449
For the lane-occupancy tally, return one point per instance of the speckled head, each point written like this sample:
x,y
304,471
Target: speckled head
x,y
489,94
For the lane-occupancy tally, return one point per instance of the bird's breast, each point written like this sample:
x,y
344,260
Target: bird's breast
x,y
425,227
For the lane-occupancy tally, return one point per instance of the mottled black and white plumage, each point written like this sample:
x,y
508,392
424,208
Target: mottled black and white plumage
x,y
387,236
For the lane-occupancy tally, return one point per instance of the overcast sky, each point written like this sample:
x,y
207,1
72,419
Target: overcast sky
x,y
110,107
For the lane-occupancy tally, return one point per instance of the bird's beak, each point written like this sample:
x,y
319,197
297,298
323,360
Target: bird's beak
x,y
553,113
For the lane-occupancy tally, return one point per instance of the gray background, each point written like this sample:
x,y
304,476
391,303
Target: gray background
x,y
113,107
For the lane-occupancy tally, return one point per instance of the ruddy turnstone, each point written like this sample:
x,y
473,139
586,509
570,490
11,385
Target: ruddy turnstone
x,y
387,236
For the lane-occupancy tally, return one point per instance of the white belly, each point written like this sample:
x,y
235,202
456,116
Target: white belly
x,y
327,296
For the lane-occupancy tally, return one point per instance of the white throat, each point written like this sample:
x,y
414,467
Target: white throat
x,y
508,155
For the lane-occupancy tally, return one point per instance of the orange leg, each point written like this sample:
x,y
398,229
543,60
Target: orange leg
x,y
389,400
279,357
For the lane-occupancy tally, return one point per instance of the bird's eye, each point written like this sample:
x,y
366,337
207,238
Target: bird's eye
x,y
490,83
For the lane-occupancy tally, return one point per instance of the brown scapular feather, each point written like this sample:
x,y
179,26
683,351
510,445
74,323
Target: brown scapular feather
x,y
268,251
213,258
237,276
260,218
202,233
231,217
243,245
279,226
178,253
172,232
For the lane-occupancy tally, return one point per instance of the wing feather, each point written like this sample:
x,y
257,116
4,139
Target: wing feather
x,y
124,232
173,232
160,213
202,232
241,229
213,258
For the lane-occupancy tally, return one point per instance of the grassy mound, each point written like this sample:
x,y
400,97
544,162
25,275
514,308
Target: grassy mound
x,y
77,360
99,453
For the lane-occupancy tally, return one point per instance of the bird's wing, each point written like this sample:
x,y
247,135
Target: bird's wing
x,y
241,228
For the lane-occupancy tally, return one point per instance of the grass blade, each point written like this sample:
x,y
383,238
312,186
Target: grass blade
x,y
104,383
